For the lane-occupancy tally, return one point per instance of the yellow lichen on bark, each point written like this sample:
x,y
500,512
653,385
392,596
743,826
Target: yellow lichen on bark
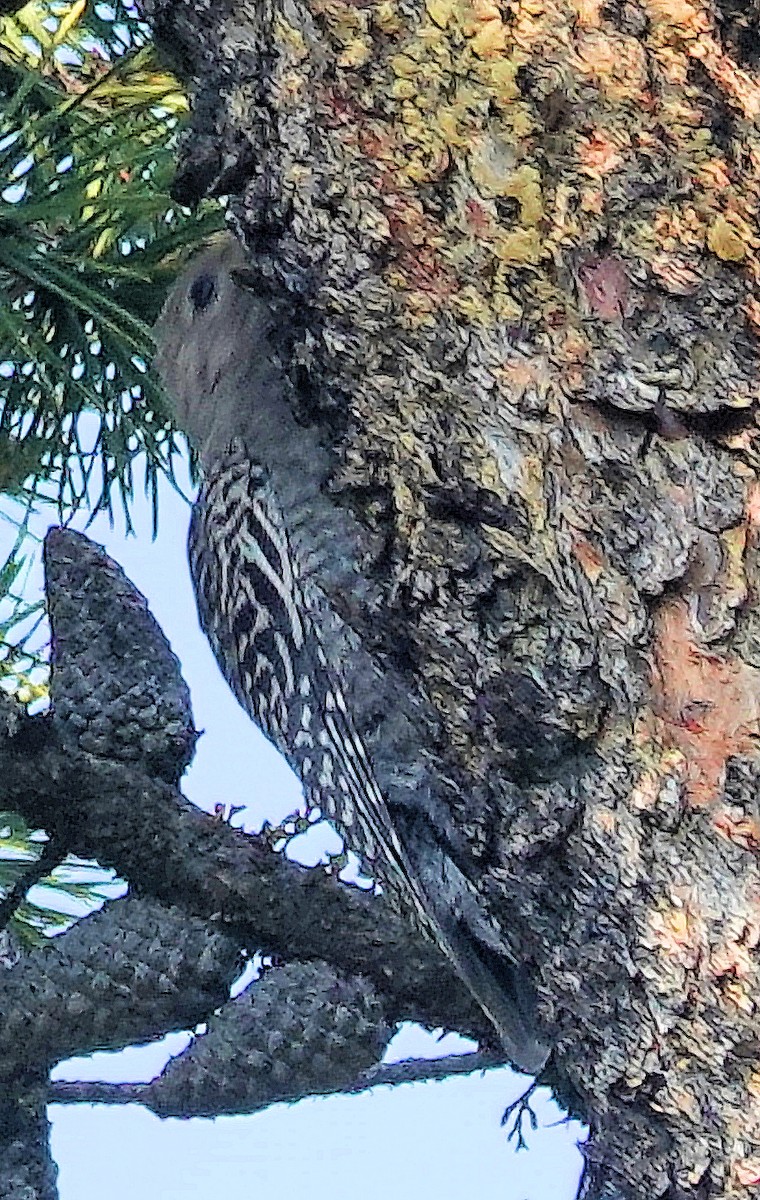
x,y
525,237
434,93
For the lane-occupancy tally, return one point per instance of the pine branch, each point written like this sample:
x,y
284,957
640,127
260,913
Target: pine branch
x,y
382,1075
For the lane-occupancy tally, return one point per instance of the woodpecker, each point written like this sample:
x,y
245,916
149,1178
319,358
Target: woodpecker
x,y
261,522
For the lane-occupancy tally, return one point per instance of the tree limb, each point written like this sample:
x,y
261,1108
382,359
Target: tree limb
x,y
382,1075
137,968
180,856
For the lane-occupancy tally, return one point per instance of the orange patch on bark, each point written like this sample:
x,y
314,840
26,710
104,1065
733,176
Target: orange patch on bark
x,y
747,1171
735,956
708,702
598,154
738,827
679,934
752,506
519,376
589,13
589,557
680,13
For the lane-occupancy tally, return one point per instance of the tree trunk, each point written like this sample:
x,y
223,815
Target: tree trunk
x,y
518,243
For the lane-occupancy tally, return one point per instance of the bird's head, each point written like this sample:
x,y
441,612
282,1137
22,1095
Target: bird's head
x,y
215,352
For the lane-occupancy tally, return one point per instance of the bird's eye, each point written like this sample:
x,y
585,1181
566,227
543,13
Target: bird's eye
x,y
202,291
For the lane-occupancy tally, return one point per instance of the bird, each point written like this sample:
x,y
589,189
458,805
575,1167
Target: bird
x,y
261,520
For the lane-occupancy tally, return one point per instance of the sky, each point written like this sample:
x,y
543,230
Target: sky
x,y
438,1139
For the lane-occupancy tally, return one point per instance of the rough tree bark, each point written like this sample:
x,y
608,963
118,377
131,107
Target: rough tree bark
x,y
518,243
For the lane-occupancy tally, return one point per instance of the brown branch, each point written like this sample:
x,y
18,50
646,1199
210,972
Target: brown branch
x,y
426,1070
381,1075
170,850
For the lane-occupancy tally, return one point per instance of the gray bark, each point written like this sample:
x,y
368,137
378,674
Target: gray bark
x,y
26,1167
516,246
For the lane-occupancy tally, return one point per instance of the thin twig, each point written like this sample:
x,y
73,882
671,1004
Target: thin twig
x,y
521,1106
